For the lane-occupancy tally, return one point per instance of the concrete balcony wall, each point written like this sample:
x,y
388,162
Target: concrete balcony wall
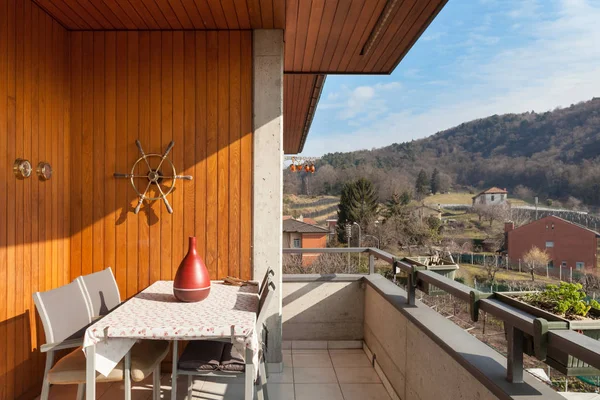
x,y
323,310
424,356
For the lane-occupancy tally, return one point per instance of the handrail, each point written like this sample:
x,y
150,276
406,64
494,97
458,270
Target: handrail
x,y
325,250
518,321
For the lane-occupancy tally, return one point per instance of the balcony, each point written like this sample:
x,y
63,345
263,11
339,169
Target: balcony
x,y
360,336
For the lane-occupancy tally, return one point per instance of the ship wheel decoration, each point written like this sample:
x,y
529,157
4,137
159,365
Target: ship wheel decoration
x,y
155,176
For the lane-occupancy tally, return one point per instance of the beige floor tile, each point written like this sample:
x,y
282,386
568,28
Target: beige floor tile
x,y
357,375
287,360
286,344
345,344
310,351
315,360
287,376
181,386
219,391
346,351
309,344
328,391
350,360
314,375
138,391
281,391
361,391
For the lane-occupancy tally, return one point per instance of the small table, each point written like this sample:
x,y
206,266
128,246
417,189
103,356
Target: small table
x,y
229,313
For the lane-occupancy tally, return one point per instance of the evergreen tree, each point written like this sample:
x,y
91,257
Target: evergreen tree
x,y
422,184
358,203
435,181
405,198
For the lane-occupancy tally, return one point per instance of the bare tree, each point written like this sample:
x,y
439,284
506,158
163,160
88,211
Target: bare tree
x,y
492,212
491,268
535,258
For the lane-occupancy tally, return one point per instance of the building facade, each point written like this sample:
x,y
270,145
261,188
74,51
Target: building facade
x,y
569,245
491,196
300,235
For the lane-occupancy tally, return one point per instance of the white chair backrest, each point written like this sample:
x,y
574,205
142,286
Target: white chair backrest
x,y
101,291
63,311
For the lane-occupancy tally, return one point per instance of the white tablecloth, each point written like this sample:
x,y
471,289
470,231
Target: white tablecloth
x,y
229,312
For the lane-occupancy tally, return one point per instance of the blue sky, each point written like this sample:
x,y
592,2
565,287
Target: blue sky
x,y
477,58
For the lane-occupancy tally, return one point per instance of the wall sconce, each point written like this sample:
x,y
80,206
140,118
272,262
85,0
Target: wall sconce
x,y
22,168
44,171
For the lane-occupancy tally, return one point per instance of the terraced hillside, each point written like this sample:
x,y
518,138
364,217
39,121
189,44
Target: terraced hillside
x,y
319,208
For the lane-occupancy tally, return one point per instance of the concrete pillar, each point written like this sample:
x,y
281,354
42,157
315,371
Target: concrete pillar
x,y
268,174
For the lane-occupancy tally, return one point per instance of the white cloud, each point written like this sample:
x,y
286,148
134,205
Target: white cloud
x,y
558,67
361,104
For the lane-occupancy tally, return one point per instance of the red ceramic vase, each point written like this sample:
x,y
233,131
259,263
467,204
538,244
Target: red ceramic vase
x,y
192,282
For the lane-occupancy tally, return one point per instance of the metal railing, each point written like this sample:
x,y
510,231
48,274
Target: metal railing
x,y
547,335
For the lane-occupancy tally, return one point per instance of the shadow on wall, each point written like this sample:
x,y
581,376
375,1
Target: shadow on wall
x,y
18,359
323,310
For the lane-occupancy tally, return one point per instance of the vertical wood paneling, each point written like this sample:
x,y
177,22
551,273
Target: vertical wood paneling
x,y
212,147
78,100
33,97
144,104
3,201
223,141
123,197
176,199
190,87
246,157
166,232
132,153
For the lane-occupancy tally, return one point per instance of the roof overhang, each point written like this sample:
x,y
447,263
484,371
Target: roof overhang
x,y
321,36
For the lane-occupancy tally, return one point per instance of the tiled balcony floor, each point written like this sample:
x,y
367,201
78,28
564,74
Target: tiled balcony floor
x,y
338,374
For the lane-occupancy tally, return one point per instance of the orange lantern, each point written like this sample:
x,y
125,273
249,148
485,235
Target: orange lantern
x,y
307,168
312,168
293,167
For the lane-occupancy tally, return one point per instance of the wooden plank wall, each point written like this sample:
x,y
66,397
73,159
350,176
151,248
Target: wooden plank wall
x,y
191,87
34,215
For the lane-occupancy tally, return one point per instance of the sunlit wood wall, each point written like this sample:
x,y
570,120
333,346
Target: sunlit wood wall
x,y
191,87
34,215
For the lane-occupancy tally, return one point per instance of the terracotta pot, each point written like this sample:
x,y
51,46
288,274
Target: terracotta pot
x,y
192,282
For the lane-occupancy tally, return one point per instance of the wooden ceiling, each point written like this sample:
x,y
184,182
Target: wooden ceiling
x,y
301,94
321,36
353,36
166,14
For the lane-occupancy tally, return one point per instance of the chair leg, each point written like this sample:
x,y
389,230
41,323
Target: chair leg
x,y
127,376
249,386
174,373
156,383
263,378
80,391
190,387
46,385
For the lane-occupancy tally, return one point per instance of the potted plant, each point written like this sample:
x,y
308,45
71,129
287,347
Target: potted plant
x,y
567,303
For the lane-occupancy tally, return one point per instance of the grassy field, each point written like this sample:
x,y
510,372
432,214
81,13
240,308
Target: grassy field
x,y
470,271
449,198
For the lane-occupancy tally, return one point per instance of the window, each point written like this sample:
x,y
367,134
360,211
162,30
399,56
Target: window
x,y
563,264
297,243
493,197
579,265
501,197
551,264
549,244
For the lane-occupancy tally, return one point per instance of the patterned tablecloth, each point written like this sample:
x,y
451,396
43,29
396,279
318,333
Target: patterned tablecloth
x,y
228,312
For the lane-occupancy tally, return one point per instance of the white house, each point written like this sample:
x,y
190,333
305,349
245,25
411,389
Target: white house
x,y
491,196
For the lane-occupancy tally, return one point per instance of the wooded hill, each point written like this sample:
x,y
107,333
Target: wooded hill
x,y
553,155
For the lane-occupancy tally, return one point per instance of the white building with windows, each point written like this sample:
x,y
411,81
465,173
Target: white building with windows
x,y
491,196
